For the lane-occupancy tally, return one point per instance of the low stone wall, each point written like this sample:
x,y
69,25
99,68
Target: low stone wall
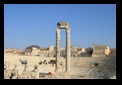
x,y
75,61
98,55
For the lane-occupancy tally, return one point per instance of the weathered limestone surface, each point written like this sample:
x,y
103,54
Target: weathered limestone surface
x,y
63,25
62,75
28,75
80,66
100,51
98,55
68,53
9,74
57,48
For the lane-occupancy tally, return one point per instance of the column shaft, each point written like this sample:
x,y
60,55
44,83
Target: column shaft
x,y
57,48
68,51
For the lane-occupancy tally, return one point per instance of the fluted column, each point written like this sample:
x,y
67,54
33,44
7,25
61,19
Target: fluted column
x,y
57,49
68,51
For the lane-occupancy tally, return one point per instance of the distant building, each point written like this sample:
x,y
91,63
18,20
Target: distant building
x,y
44,51
100,51
10,50
73,51
35,51
28,52
17,51
51,51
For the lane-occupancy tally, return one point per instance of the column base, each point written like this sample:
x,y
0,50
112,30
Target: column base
x,y
57,71
68,72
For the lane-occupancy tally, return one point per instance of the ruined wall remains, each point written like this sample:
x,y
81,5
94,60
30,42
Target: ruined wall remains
x,y
100,51
107,62
77,63
51,51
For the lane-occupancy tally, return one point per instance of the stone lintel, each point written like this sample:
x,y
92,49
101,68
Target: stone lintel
x,y
63,25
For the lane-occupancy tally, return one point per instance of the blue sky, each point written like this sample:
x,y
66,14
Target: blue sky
x,y
35,24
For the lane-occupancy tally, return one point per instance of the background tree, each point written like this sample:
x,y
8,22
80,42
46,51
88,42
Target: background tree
x,y
30,47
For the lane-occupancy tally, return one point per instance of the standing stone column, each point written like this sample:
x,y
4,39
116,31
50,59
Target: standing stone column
x,y
68,51
57,48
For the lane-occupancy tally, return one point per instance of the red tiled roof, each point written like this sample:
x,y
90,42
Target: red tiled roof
x,y
28,50
44,48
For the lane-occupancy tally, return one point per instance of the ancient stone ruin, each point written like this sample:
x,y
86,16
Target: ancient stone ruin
x,y
100,51
63,25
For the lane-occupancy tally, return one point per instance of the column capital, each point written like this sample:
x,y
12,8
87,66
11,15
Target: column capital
x,y
63,25
67,30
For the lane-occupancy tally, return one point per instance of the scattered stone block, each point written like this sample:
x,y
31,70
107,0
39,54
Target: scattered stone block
x,y
113,77
28,74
